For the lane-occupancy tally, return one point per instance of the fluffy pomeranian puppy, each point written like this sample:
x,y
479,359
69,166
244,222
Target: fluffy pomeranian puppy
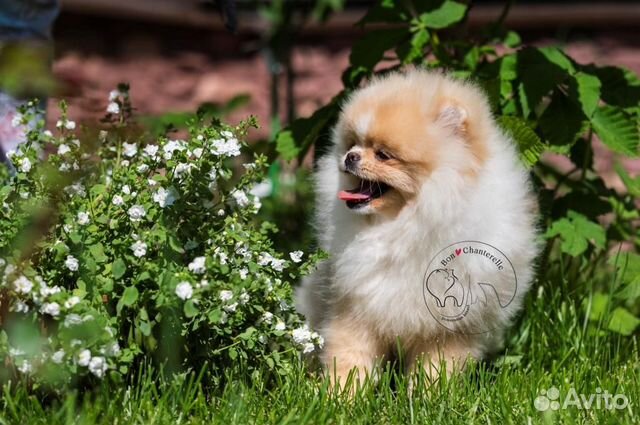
x,y
418,163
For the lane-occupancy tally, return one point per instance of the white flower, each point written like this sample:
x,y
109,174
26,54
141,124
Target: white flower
x,y
126,189
58,356
25,367
184,290
308,347
52,309
197,152
151,150
301,335
84,358
262,189
231,307
83,218
70,125
296,256
220,212
226,295
64,167
142,168
25,165
71,301
113,108
113,349
47,133
139,249
76,189
280,326
98,366
172,146
63,148
241,198
165,197
72,320
244,297
16,121
244,272
23,285
72,263
222,147
21,307
277,265
130,149
113,95
197,266
45,291
267,317
117,200
15,352
264,259
181,169
136,213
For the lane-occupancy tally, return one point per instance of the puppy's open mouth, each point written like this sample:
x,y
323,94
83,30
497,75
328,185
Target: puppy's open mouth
x,y
366,192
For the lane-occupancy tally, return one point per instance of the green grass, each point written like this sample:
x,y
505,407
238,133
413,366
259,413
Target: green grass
x,y
551,345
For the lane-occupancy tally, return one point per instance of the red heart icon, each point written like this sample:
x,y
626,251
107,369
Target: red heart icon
x,y
458,251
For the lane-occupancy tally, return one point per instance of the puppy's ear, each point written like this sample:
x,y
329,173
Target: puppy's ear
x,y
454,118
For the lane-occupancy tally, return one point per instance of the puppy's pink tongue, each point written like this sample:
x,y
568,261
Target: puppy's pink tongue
x,y
345,195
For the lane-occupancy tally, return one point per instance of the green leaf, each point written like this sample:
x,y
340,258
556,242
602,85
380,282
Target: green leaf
x,y
509,67
588,92
97,251
562,122
129,296
557,57
528,142
627,265
118,268
369,50
617,129
416,46
446,15
576,232
599,305
512,39
190,309
539,75
620,86
632,184
98,189
175,245
387,11
145,328
296,139
623,322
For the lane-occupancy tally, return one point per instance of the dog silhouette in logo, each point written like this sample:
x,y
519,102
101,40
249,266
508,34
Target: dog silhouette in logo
x,y
443,284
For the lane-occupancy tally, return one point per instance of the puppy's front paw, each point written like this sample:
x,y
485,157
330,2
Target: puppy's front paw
x,y
351,355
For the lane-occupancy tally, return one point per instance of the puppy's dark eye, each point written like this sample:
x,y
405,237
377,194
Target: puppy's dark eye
x,y
382,155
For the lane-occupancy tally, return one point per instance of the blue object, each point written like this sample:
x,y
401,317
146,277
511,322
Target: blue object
x,y
27,19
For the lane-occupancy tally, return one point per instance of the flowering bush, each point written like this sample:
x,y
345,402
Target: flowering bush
x,y
118,249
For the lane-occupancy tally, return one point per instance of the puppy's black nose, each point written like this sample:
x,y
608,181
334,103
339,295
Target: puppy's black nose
x,y
352,157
